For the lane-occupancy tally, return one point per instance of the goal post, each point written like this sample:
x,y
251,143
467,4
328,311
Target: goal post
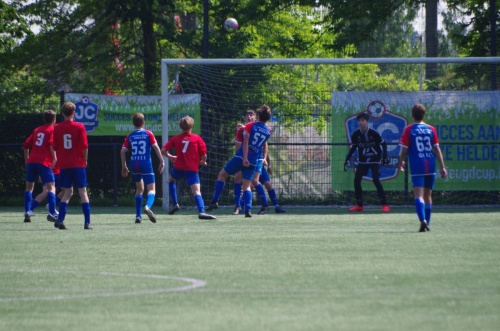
x,y
314,102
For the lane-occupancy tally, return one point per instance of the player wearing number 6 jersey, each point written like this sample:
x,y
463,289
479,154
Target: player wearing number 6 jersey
x,y
190,153
140,142
71,146
420,142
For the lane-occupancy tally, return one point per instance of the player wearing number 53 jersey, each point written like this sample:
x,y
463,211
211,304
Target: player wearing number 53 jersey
x,y
71,146
420,142
140,142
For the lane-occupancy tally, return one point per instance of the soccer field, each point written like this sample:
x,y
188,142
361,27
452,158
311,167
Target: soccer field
x,y
319,269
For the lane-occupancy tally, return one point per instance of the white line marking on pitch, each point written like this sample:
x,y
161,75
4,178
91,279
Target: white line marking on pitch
x,y
192,284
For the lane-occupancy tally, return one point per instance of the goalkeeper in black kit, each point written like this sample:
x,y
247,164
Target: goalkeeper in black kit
x,y
372,151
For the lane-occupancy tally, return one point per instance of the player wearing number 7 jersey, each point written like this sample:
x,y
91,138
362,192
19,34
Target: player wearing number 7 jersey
x,y
140,142
420,142
71,146
190,153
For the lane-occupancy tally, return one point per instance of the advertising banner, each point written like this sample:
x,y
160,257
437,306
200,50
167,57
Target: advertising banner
x,y
110,115
467,123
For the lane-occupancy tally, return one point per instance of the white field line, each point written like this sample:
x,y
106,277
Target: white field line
x,y
192,284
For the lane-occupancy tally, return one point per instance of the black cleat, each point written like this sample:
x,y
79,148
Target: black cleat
x,y
150,214
60,225
279,210
213,206
27,218
237,210
173,209
87,226
248,213
51,218
138,220
424,227
263,210
205,216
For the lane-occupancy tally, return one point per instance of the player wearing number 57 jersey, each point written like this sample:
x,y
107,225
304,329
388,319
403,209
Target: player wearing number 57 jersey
x,y
248,159
420,142
71,146
140,142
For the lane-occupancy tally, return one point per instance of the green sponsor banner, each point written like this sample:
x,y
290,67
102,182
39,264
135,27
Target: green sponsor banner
x,y
109,115
468,127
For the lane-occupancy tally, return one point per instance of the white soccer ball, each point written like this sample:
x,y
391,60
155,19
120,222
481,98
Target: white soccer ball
x,y
231,25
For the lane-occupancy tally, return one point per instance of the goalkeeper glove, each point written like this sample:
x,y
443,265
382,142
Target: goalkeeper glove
x,y
346,164
385,159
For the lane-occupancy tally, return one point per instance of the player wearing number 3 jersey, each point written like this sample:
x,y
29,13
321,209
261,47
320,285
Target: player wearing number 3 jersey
x,y
420,142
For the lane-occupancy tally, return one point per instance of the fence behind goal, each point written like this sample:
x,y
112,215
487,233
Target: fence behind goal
x,y
314,103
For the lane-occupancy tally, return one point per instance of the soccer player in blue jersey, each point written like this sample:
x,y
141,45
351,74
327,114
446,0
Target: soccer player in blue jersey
x,y
140,142
420,142
248,159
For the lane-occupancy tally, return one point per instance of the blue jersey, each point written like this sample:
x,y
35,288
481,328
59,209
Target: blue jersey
x,y
258,133
139,142
420,139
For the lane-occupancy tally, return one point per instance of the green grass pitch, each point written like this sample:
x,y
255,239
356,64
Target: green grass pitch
x,y
319,269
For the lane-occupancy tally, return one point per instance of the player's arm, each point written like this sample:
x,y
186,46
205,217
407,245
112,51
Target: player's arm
x,y
245,149
86,155
164,151
160,157
385,158
123,153
265,149
26,155
349,154
440,158
54,157
203,159
402,157
269,169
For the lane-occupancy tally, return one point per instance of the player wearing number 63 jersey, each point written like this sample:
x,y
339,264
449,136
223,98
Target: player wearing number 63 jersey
x,y
420,142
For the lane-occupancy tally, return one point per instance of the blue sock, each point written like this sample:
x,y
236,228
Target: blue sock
x,y
150,200
138,205
419,208
63,209
247,198
219,186
172,189
51,197
262,194
273,197
34,204
199,203
28,197
428,212
86,212
237,193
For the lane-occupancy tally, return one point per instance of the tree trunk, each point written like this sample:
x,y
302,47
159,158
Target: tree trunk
x,y
431,36
149,48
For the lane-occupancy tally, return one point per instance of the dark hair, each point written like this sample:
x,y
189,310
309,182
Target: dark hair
x,y
49,116
68,108
418,112
264,113
363,116
249,110
138,120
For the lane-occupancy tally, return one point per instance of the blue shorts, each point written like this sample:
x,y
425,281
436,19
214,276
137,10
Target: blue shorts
x,y
57,180
73,177
264,176
236,164
191,177
34,170
426,181
148,179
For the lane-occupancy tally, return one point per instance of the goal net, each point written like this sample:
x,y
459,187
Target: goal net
x,y
314,104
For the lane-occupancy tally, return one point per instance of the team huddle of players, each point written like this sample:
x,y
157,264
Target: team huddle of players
x,y
58,153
